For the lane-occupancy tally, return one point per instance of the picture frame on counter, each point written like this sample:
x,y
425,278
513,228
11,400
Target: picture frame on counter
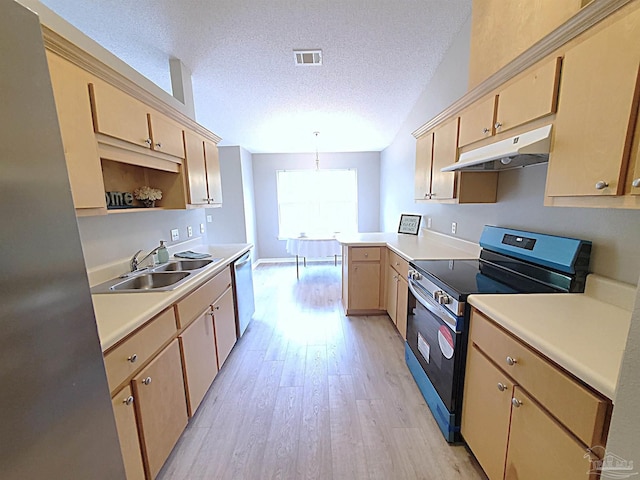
x,y
409,224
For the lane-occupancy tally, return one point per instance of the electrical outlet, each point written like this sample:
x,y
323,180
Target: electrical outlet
x,y
454,227
209,219
202,228
189,231
428,222
175,235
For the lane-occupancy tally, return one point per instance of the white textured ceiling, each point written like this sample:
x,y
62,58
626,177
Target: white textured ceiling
x,y
378,56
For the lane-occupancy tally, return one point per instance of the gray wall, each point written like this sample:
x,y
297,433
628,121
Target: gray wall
x,y
266,200
615,233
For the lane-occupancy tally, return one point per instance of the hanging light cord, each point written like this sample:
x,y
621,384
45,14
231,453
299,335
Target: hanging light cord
x,y
317,159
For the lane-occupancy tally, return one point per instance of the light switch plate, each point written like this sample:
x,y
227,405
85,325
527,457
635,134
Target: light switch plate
x,y
202,228
209,219
189,231
175,234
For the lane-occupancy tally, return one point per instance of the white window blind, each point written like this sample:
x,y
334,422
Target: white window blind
x,y
317,202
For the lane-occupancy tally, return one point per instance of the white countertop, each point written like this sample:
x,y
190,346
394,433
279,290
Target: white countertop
x,y
580,332
427,246
118,314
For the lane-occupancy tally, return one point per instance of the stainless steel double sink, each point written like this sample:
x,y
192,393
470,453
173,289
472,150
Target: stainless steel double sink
x,y
158,278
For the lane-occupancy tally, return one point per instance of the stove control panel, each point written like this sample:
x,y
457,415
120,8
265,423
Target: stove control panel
x,y
415,275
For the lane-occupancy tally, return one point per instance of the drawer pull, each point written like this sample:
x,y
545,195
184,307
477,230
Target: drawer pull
x,y
601,185
366,255
147,381
133,358
502,387
128,401
511,361
515,402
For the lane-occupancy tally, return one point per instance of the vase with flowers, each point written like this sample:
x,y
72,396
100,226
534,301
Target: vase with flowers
x,y
147,195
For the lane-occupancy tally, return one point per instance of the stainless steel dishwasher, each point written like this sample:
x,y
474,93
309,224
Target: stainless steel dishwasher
x,y
243,292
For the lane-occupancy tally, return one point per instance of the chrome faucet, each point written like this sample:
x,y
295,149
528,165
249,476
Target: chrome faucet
x,y
134,262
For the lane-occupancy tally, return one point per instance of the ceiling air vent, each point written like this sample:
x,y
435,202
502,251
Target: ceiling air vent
x,y
308,57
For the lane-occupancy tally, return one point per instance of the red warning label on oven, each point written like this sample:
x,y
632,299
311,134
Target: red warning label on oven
x,y
423,347
445,341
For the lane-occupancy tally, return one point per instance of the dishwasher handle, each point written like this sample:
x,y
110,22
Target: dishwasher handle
x,y
242,260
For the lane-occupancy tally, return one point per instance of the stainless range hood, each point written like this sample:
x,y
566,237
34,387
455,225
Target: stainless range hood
x,y
520,151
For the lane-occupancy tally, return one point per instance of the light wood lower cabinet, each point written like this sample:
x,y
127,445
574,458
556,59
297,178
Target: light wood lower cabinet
x,y
200,361
363,279
523,417
224,322
397,291
161,406
124,413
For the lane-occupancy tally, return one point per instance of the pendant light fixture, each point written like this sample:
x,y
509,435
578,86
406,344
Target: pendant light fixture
x,y
317,159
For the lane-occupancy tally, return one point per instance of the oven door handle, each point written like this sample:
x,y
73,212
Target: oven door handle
x,y
433,307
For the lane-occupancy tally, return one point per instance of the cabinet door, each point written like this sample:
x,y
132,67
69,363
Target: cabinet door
x,y
78,139
477,122
224,322
364,286
123,411
161,406
634,170
118,115
486,410
198,346
594,123
166,135
402,306
196,171
214,181
445,152
424,156
539,447
392,293
532,96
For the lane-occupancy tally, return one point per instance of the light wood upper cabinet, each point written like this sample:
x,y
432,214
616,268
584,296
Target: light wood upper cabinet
x,y
633,180
74,117
445,152
224,322
119,115
196,169
500,31
424,157
595,122
214,181
166,135
161,406
532,96
124,413
477,122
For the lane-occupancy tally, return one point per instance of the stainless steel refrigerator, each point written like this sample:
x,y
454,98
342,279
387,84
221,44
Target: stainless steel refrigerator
x,y
56,420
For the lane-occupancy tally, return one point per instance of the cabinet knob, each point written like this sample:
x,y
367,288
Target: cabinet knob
x,y
133,358
397,264
511,361
515,402
635,183
147,381
217,307
158,145
366,255
128,401
486,130
502,387
148,141
498,125
601,185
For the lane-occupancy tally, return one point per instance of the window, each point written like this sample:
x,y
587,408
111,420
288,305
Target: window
x,y
317,202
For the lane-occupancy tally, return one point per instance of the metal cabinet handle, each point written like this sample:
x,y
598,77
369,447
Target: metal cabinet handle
x,y
635,183
397,263
128,401
498,125
147,381
511,361
148,141
502,387
601,185
515,402
366,255
133,358
486,130
217,307
158,145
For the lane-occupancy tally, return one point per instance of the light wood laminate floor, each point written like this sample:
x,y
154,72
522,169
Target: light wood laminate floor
x,y
308,393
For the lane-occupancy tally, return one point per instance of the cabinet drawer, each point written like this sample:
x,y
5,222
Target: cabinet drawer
x,y
399,264
190,307
580,410
363,254
123,360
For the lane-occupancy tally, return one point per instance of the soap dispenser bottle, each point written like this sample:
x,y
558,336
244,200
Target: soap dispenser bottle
x,y
163,253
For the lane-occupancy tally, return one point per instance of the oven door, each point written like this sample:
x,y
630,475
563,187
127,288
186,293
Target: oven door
x,y
432,336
